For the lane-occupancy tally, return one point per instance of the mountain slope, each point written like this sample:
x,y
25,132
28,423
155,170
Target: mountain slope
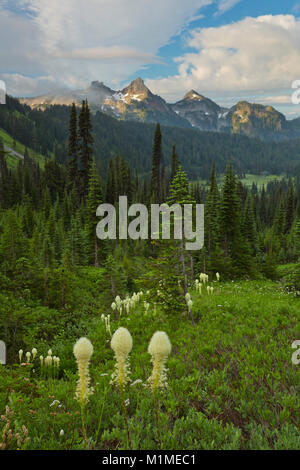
x,y
15,150
201,112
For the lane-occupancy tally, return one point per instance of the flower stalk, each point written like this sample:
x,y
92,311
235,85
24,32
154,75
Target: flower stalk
x,y
83,351
159,348
121,343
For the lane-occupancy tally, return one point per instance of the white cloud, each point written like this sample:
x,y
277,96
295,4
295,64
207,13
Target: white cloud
x,y
277,99
107,53
254,55
20,85
225,5
73,42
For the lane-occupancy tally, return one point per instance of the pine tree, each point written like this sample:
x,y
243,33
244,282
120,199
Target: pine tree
x,y
229,214
73,147
280,219
290,206
156,166
111,186
12,241
85,145
174,163
248,228
211,213
263,207
94,199
170,266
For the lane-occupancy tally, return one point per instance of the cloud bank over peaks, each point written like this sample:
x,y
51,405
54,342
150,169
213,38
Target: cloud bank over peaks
x,y
254,54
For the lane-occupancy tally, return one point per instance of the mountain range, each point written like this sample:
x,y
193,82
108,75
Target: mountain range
x,y
137,103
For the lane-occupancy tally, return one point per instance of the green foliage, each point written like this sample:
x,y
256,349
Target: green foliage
x,y
231,381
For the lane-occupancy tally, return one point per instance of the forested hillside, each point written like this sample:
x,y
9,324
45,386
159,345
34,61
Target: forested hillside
x,y
47,132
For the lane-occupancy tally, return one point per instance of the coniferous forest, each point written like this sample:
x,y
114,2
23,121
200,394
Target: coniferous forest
x,y
222,319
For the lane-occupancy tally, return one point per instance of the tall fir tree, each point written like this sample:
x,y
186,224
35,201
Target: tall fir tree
x,y
211,213
85,145
229,214
94,199
290,208
156,166
174,163
73,147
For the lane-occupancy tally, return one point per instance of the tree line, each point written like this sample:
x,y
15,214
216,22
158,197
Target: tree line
x,y
48,221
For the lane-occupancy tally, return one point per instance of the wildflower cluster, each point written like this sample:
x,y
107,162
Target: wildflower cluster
x,y
126,304
203,279
27,355
50,365
11,437
198,286
189,302
106,320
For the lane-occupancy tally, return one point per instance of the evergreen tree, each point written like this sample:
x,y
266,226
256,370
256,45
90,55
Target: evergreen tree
x,y
94,199
248,228
229,214
174,162
211,213
290,206
156,166
73,147
111,184
85,145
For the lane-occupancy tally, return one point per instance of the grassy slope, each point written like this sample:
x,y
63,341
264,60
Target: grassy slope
x,y
259,180
232,384
13,160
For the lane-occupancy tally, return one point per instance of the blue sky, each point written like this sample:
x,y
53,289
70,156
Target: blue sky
x,y
225,49
212,18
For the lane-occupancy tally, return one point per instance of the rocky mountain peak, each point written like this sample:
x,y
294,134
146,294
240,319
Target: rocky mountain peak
x,y
137,87
193,95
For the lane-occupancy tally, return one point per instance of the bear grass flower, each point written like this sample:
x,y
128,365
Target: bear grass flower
x,y
83,351
203,278
159,348
20,355
121,343
48,361
34,353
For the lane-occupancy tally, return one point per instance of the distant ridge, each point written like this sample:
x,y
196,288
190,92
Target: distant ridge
x,y
136,102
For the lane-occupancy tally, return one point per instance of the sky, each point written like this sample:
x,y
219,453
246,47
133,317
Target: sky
x,y
227,50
